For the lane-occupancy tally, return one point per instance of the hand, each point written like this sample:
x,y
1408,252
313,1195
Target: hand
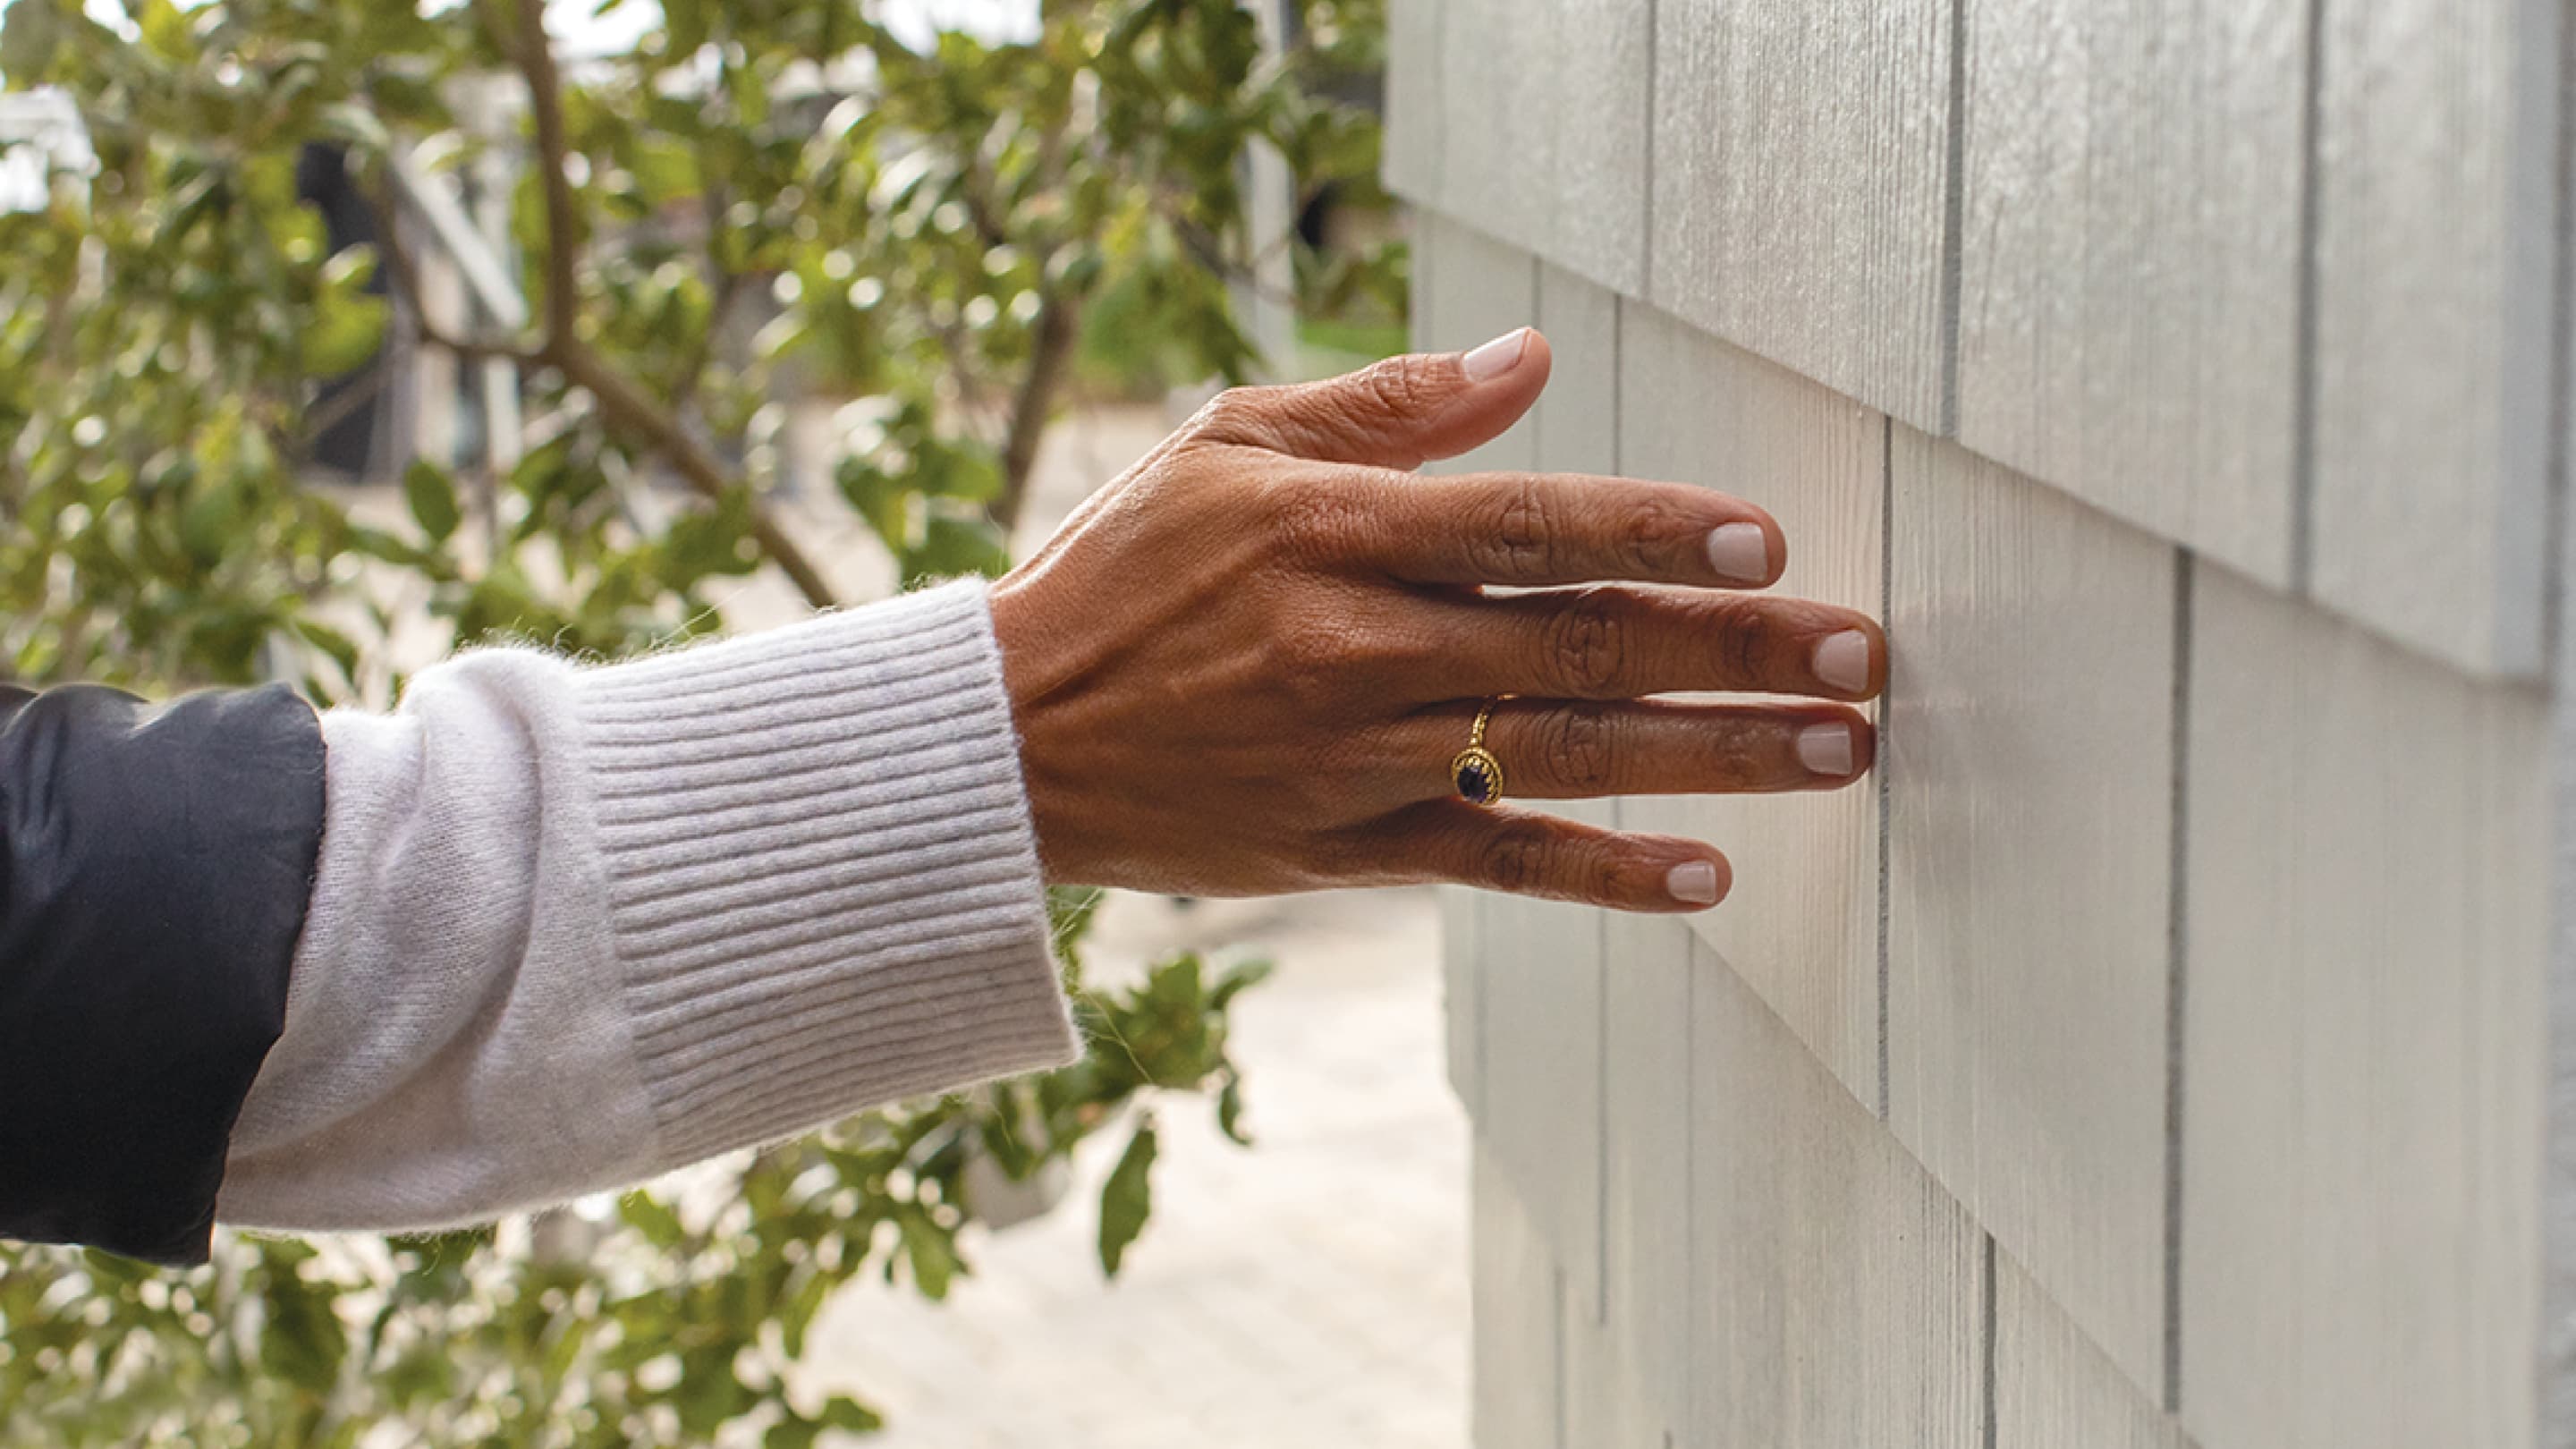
x,y
1244,667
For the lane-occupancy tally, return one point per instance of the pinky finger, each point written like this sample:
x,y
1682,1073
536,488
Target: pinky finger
x,y
1524,852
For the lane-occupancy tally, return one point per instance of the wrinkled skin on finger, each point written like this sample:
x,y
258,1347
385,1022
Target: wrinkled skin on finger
x,y
1242,667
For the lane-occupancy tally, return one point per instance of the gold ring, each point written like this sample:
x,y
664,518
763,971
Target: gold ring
x,y
1475,774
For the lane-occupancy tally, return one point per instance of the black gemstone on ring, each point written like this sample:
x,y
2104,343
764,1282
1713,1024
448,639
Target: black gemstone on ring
x,y
1475,783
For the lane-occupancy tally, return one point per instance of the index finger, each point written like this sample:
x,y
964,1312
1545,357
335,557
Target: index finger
x,y
1538,530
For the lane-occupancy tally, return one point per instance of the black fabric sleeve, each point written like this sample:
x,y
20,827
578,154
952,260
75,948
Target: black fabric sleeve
x,y
158,862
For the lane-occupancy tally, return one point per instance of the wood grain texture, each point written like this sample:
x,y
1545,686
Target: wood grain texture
x,y
2054,1389
1539,1107
1802,922
1541,137
1517,1305
1799,200
2030,783
1595,74
2128,311
2363,1016
1578,416
1411,157
2434,266
1633,1375
1498,150
1462,994
1474,289
1836,1286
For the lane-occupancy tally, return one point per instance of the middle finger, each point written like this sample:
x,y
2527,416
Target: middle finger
x,y
1617,642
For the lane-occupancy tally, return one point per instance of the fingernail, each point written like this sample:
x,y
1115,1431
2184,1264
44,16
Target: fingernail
x,y
1842,661
1498,356
1693,883
1740,553
1826,749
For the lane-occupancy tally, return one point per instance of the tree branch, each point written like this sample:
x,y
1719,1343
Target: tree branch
x,y
631,408
404,271
621,399
1050,350
545,104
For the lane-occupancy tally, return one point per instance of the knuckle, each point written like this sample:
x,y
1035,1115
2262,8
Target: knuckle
x,y
1234,415
1586,645
1520,542
1395,388
1315,519
1576,745
1744,640
1515,859
1657,534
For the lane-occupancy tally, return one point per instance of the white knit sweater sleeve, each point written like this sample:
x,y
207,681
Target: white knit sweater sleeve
x,y
576,926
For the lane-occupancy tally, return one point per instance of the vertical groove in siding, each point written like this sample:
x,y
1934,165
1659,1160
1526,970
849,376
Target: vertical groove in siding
x,y
1986,1344
1886,715
1646,196
1556,1367
2177,977
2303,427
2557,1395
2562,336
1954,206
1617,464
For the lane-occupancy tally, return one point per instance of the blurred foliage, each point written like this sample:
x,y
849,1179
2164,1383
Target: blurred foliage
x,y
672,1321
764,200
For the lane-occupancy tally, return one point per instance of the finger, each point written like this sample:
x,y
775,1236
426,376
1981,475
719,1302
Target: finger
x,y
1398,413
1611,642
1530,854
1536,529
1577,750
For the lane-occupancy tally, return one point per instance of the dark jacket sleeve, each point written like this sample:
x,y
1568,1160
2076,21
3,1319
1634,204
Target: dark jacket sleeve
x,y
158,861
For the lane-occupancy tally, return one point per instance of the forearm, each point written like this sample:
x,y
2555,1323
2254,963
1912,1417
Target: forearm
x,y
575,927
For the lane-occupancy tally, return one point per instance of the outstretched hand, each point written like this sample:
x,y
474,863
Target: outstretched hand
x,y
1246,666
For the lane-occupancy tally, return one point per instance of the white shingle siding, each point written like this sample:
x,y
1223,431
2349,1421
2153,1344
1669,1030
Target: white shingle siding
x,y
2161,1050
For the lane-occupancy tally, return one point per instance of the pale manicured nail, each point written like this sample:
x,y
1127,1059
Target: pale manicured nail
x,y
1498,356
1826,749
1842,661
1693,883
1740,553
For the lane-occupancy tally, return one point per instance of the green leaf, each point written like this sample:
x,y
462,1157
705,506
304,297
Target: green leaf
x,y
793,1433
1127,1199
843,1412
953,546
165,30
652,1217
431,492
665,171
1229,1111
932,1254
344,332
31,32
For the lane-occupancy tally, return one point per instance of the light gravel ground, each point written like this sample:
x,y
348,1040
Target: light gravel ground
x,y
1309,1292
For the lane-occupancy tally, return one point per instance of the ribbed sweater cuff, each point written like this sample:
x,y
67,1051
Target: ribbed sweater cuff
x,y
824,881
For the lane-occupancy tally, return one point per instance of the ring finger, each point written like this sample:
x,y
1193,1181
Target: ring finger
x,y
1555,749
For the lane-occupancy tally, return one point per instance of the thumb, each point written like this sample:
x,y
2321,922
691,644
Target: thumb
x,y
1398,413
